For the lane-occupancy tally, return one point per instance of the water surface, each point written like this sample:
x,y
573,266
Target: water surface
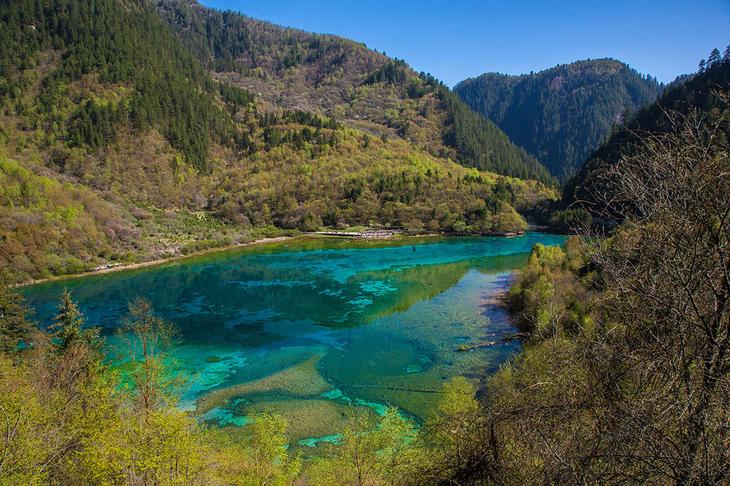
x,y
311,327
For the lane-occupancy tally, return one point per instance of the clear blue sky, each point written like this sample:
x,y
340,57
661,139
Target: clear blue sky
x,y
456,39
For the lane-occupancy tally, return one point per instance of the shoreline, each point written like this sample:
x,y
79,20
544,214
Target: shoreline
x,y
263,241
151,263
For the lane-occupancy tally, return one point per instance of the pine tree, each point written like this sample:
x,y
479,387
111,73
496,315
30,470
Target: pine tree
x,y
702,66
726,54
714,58
67,323
14,328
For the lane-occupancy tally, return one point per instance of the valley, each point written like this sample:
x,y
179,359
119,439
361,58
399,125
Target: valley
x,y
238,253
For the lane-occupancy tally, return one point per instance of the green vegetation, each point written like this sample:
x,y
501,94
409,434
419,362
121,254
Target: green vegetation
x,y
561,114
361,180
113,153
625,375
74,421
704,94
49,227
56,228
168,90
292,69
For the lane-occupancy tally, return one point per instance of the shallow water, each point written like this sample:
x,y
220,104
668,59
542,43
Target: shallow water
x,y
310,327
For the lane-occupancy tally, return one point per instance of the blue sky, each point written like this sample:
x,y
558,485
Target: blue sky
x,y
456,39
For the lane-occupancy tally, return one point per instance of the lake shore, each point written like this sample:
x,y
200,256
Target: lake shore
x,y
263,241
151,263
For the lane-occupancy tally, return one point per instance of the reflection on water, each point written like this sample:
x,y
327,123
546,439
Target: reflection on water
x,y
309,327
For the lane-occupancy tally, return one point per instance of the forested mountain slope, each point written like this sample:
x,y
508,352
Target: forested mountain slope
x,y
292,69
704,96
561,114
112,152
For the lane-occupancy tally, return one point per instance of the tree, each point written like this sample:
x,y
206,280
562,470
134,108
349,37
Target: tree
x,y
667,268
631,384
714,58
14,328
67,327
148,336
23,421
453,437
702,66
268,450
369,452
726,54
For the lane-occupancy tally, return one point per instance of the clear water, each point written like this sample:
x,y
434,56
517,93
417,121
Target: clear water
x,y
310,328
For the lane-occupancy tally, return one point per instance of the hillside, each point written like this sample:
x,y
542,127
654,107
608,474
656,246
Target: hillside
x,y
704,96
111,152
336,77
561,114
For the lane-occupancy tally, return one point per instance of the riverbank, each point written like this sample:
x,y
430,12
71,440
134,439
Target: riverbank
x,y
151,263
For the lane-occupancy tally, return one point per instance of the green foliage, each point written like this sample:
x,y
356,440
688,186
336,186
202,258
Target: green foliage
x,y
68,323
53,228
368,453
480,143
571,219
386,182
123,153
257,456
171,92
234,97
547,298
703,93
22,445
561,114
620,366
94,125
393,72
14,327
350,82
148,337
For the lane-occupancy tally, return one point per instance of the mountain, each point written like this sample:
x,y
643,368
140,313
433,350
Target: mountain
x,y
561,114
112,152
705,94
336,77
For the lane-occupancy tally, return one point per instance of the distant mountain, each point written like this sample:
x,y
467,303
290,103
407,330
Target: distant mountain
x,y
707,93
561,114
292,69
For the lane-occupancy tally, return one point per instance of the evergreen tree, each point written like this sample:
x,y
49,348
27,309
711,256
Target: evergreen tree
x,y
14,328
714,57
699,93
67,328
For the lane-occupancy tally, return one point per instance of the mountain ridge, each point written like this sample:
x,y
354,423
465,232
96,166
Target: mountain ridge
x,y
337,77
705,93
562,113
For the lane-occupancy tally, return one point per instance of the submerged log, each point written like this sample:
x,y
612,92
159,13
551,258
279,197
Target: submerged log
x,y
485,344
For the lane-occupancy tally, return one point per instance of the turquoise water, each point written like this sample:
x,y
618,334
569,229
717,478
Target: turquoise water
x,y
310,328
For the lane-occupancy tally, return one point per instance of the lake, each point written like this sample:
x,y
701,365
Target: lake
x,y
311,327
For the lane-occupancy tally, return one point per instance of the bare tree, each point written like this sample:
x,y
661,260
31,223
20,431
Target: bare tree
x,y
148,336
639,392
668,270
